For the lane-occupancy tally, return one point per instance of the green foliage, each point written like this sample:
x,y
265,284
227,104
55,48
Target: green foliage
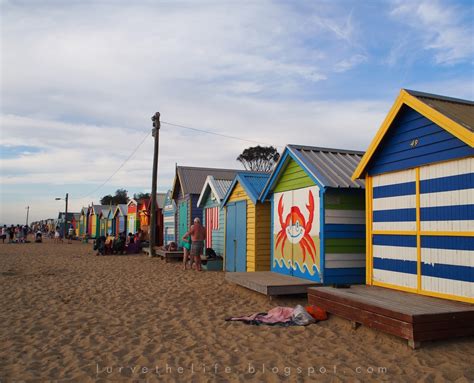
x,y
120,197
140,196
259,158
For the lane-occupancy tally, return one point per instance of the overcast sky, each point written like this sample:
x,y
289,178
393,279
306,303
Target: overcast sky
x,y
81,79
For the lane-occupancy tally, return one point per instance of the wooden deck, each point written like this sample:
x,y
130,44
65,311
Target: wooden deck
x,y
269,283
416,318
169,255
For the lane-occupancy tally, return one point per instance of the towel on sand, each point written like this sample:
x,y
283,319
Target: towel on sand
x,y
281,316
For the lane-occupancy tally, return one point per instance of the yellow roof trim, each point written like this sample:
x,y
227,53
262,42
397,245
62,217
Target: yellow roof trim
x,y
438,118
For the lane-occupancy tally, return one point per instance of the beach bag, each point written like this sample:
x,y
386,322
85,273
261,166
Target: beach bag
x,y
301,316
317,312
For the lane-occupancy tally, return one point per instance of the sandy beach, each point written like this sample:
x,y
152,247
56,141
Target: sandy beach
x,y
68,315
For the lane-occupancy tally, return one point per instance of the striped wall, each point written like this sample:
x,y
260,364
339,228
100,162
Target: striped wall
x,y
421,234
344,236
169,220
217,240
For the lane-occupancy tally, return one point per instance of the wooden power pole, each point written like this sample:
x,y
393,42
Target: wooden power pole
x,y
156,135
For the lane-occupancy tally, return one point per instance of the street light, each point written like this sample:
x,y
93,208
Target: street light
x,y
65,214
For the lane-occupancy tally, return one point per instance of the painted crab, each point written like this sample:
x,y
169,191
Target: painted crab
x,y
296,229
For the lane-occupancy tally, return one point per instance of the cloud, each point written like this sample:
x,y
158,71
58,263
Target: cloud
x,y
347,64
80,81
443,28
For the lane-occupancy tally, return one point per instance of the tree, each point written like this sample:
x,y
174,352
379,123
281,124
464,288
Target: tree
x,y
140,196
120,197
107,200
259,158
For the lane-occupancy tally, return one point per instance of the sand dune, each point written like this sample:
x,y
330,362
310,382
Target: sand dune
x,y
68,315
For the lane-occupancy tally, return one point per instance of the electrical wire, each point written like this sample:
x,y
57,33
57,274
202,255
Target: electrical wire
x,y
218,134
118,169
178,126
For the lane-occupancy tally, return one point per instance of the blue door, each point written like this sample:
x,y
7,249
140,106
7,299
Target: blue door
x,y
236,237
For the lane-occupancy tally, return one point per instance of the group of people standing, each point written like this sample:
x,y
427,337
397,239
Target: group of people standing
x,y
193,245
15,234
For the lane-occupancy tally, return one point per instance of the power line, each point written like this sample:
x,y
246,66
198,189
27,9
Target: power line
x,y
118,169
218,134
178,126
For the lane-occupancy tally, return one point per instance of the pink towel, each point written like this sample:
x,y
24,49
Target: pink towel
x,y
275,315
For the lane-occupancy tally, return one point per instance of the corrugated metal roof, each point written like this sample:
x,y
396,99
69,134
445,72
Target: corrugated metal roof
x,y
221,187
331,167
98,208
192,179
123,208
105,211
216,186
253,183
458,110
160,200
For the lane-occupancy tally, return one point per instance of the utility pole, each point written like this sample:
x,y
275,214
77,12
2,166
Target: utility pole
x,y
65,218
27,213
156,135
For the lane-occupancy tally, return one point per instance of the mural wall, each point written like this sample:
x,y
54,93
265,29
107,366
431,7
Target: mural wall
x,y
296,249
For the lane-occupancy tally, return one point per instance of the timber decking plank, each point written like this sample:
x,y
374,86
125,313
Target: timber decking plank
x,y
361,302
270,283
369,319
404,306
409,316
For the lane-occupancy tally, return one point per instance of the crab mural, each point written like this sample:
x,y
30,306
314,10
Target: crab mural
x,y
296,229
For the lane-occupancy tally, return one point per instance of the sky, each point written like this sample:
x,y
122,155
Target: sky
x,y
80,81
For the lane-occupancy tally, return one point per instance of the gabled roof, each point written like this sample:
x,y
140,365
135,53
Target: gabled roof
x,y
218,187
70,215
252,182
326,167
454,115
105,211
160,201
192,179
84,210
77,216
98,208
122,209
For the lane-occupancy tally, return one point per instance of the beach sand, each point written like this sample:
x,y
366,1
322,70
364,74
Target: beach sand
x,y
69,315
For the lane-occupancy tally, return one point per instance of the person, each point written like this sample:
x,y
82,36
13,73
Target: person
x,y
4,233
70,235
19,234
187,252
39,237
99,245
26,229
57,236
109,243
11,233
198,235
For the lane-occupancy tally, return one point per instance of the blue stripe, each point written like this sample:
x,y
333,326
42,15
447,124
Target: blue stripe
x,y
450,243
394,240
453,272
344,231
351,275
457,182
447,213
400,266
395,215
405,188
436,156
